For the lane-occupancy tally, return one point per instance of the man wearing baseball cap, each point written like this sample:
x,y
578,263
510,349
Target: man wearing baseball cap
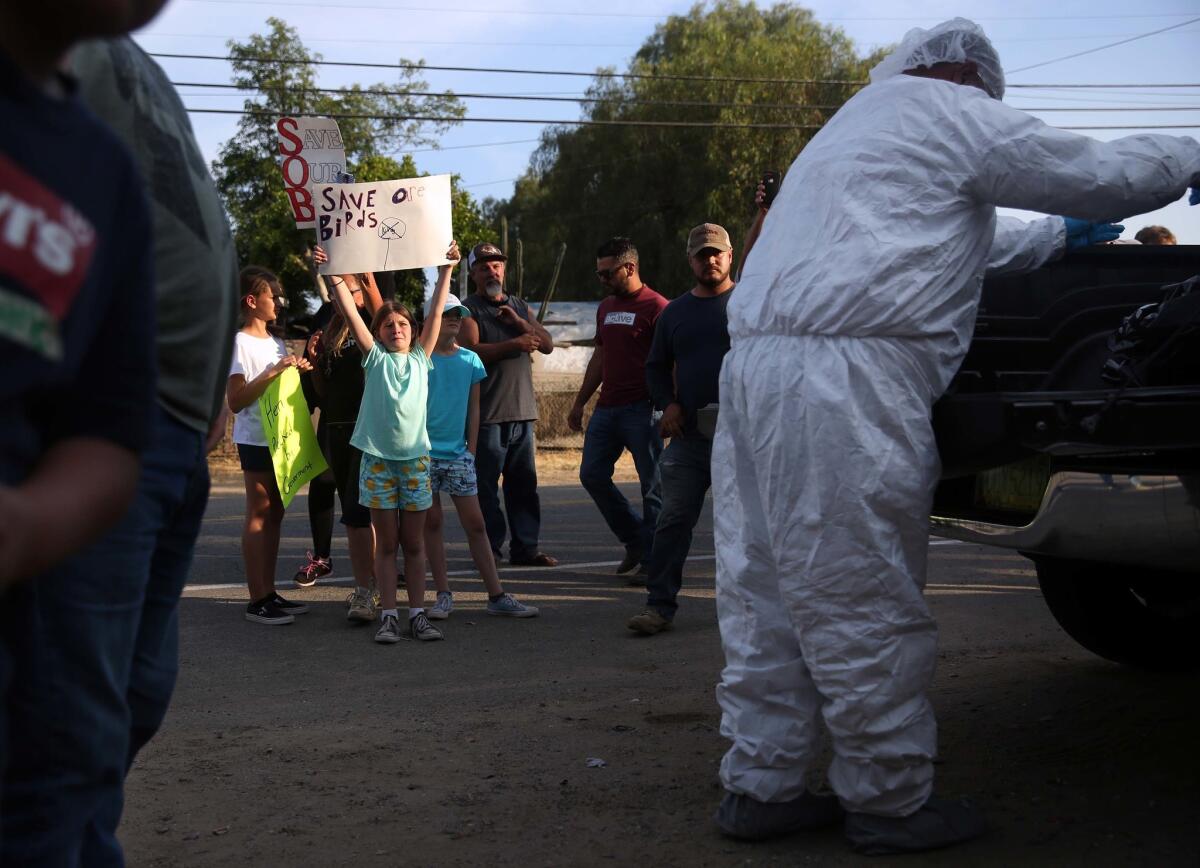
x,y
504,334
682,371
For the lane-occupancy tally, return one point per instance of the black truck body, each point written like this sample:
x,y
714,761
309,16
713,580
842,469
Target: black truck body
x,y
1071,433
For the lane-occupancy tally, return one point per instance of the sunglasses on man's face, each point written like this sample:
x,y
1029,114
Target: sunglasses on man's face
x,y
607,274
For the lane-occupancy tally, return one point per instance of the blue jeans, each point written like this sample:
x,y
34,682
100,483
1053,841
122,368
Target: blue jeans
x,y
609,431
94,652
686,474
509,448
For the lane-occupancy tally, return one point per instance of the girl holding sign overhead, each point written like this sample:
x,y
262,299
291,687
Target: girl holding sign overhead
x,y
258,358
390,432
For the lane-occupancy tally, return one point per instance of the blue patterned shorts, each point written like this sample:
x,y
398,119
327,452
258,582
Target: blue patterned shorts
x,y
384,484
455,476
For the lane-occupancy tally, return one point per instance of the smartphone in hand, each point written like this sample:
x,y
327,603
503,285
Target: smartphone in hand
x,y
770,183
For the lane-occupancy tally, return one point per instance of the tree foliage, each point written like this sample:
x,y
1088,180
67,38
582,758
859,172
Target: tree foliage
x,y
280,73
653,184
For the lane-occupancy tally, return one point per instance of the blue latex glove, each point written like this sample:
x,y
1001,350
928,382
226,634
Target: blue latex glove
x,y
1081,233
1194,199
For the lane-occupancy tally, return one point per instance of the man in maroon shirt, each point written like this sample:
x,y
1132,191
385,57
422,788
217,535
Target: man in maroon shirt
x,y
623,417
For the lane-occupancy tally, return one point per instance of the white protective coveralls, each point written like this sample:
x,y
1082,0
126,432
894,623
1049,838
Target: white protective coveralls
x,y
854,311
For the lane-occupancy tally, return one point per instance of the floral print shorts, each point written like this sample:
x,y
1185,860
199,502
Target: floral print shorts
x,y
385,484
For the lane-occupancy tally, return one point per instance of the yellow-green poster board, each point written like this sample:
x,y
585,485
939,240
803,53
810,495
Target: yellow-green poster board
x,y
290,436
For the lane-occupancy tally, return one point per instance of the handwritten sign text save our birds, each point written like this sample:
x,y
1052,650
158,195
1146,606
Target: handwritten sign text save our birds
x,y
385,225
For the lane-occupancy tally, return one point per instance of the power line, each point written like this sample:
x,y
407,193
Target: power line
x,y
595,74
465,147
542,13
1009,86
526,97
1107,101
489,183
417,67
454,43
542,121
495,43
1182,108
628,123
1102,47
593,100
1136,127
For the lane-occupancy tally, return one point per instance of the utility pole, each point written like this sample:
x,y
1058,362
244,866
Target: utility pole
x,y
520,249
504,246
545,305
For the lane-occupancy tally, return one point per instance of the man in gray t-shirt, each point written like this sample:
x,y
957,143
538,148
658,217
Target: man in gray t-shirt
x,y
144,561
504,334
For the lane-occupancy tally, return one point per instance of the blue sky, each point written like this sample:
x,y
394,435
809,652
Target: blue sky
x,y
576,36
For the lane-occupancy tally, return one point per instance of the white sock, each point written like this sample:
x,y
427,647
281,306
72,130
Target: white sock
x,y
387,612
412,613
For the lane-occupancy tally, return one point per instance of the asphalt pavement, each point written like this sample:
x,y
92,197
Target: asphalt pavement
x,y
311,745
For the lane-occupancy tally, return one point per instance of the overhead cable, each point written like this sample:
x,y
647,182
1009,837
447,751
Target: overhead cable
x,y
596,100
542,121
525,97
542,12
417,67
626,123
1101,47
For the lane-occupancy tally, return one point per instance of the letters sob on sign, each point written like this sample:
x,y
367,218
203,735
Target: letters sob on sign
x,y
295,170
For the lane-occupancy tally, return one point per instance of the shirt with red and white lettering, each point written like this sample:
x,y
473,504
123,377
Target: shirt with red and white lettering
x,y
625,330
76,280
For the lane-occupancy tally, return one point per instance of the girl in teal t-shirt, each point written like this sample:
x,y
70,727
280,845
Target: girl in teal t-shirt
x,y
390,432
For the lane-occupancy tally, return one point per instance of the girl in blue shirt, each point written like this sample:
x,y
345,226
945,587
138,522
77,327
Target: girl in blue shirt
x,y
453,426
390,432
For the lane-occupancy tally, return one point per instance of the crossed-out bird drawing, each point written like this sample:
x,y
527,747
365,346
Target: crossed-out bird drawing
x,y
390,229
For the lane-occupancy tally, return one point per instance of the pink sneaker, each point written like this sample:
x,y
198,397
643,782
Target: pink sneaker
x,y
316,568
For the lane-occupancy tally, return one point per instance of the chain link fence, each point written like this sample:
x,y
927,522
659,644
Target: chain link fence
x,y
555,396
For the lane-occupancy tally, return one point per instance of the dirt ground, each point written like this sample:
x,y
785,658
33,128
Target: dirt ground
x,y
309,745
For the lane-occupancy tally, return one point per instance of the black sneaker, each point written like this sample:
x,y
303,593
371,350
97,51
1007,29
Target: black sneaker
x,y
288,606
633,557
265,611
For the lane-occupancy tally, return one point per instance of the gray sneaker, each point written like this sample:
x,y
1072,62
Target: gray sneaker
x,y
512,607
648,623
420,629
360,606
389,630
441,610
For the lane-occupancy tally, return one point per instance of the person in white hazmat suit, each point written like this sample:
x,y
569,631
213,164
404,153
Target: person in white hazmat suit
x,y
854,311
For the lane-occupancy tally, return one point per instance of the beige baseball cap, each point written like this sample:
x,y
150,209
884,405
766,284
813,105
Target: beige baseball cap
x,y
708,235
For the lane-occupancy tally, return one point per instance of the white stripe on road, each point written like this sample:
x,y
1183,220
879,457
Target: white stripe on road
x,y
349,580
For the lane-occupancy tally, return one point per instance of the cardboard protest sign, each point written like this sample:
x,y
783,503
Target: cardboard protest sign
x,y
290,436
312,154
385,225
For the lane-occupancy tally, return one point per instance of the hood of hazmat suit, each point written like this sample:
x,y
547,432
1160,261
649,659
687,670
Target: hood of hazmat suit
x,y
854,311
955,41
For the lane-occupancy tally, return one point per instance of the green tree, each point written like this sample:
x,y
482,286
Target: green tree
x,y
280,73
585,184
